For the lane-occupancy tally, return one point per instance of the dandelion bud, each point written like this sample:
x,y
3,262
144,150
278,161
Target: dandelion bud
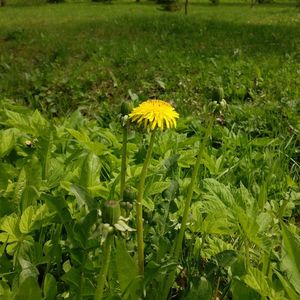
x,y
126,108
129,195
111,212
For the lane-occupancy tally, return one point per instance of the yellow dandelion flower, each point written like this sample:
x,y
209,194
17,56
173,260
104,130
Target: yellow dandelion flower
x,y
154,113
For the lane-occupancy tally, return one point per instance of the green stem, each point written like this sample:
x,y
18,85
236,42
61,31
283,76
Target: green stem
x,y
139,207
123,163
104,268
178,245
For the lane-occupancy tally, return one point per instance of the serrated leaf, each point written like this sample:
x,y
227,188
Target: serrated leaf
x,y
96,147
257,281
10,226
156,188
27,219
8,140
219,191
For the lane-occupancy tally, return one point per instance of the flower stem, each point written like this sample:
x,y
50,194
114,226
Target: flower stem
x,y
123,163
104,268
139,207
178,245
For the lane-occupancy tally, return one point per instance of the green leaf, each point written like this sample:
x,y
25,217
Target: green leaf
x,y
82,196
90,171
156,188
126,268
28,270
218,191
55,173
27,219
72,277
10,226
187,159
5,292
291,256
95,147
8,140
242,291
50,287
201,291
257,281
287,287
29,289
226,258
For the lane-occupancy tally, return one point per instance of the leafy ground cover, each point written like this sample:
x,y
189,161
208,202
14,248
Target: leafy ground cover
x,y
64,71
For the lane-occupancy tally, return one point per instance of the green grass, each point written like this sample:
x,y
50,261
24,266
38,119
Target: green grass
x,y
56,56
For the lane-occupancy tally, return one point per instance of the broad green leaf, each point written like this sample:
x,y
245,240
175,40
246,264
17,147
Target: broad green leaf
x,y
20,121
29,289
201,291
90,171
95,147
126,267
156,188
55,173
240,291
257,281
219,192
5,292
29,197
291,256
8,140
287,287
19,187
82,196
28,270
44,148
34,124
187,159
10,226
217,224
39,123
27,219
50,287
72,277
226,258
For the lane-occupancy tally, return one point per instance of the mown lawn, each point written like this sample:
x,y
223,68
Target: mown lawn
x,y
60,55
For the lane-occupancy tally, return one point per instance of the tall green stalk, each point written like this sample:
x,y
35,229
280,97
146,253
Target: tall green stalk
x,y
123,163
178,246
104,268
139,207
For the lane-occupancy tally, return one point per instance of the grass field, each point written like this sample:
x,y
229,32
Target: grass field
x,y
59,55
220,205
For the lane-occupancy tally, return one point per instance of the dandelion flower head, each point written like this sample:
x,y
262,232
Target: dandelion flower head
x,y
153,114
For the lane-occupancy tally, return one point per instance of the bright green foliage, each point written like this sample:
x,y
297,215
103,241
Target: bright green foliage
x,y
56,177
